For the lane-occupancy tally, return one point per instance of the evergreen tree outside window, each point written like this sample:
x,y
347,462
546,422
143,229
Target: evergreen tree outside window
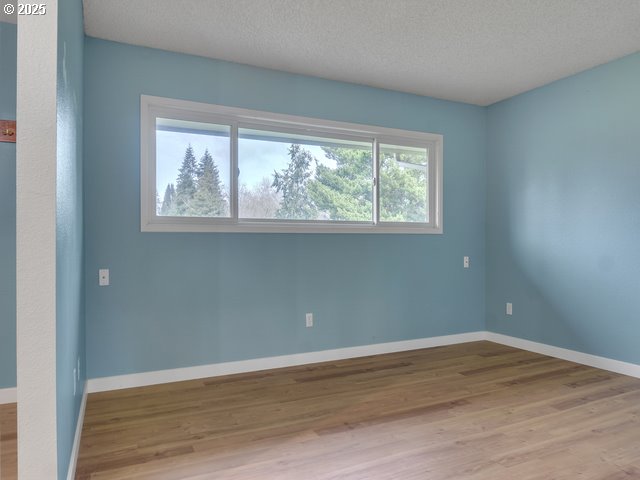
x,y
311,178
194,185
403,184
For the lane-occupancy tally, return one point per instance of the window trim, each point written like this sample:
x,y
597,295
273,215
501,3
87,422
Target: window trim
x,y
152,107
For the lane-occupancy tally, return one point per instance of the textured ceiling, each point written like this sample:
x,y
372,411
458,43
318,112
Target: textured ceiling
x,y
475,51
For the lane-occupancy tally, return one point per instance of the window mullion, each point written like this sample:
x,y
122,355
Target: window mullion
x,y
150,173
431,184
234,192
376,182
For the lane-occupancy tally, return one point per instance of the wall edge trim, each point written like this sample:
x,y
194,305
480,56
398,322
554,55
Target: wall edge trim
x,y
103,384
8,395
75,449
604,363
118,382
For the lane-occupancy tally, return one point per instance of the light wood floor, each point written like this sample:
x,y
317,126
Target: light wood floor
x,y
8,444
472,411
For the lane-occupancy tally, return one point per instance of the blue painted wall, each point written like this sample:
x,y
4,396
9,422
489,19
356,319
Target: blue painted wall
x,y
563,212
186,299
69,228
7,210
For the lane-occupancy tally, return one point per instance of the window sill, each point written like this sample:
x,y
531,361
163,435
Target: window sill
x,y
193,226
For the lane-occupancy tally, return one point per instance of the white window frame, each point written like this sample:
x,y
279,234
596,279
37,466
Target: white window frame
x,y
152,107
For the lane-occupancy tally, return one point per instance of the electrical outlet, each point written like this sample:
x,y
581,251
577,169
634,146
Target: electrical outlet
x,y
465,262
103,277
509,309
309,319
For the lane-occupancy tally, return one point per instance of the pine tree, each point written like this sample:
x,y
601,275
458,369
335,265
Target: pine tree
x,y
403,191
186,184
292,183
209,198
167,202
344,192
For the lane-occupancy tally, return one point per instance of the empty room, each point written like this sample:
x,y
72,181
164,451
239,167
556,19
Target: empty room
x,y
320,240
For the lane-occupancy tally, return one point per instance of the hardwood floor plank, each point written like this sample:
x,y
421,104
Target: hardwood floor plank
x,y
474,411
8,442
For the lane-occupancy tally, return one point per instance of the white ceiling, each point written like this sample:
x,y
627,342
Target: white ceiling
x,y
475,51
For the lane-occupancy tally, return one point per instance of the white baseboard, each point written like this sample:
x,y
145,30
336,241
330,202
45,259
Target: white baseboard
x,y
217,369
617,366
8,395
73,461
243,366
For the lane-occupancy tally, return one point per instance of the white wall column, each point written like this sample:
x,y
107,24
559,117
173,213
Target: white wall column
x,y
36,243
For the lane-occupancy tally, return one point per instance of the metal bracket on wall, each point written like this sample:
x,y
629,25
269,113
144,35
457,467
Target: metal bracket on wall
x,y
8,131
